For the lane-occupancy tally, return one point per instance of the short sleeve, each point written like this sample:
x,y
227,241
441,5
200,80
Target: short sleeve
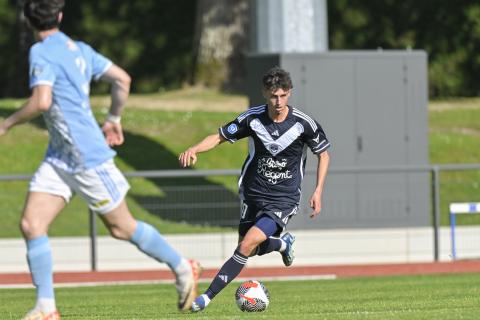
x,y
315,138
40,70
100,64
234,130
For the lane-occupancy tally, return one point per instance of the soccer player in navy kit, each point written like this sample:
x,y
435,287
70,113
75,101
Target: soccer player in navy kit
x,y
79,159
269,185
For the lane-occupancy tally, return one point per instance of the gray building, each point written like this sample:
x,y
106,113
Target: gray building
x,y
373,107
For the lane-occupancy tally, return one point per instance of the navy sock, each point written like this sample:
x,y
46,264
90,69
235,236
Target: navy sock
x,y
269,245
227,273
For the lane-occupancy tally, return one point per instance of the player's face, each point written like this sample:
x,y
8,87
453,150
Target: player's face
x,y
277,99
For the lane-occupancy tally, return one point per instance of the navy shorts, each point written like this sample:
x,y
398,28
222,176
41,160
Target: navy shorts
x,y
250,212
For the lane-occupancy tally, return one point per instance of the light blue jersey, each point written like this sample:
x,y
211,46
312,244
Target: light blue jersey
x,y
76,141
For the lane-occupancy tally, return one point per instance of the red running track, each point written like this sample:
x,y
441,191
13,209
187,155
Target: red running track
x,y
339,271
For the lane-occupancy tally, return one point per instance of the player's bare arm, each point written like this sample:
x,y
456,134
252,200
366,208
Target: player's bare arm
x,y
322,168
189,156
120,89
39,101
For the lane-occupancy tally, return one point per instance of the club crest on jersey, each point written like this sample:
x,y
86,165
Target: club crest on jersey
x,y
36,71
273,148
232,128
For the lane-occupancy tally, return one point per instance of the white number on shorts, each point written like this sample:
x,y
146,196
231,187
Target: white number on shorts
x,y
244,210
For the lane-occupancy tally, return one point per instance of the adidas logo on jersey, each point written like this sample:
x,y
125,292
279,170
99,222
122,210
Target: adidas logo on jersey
x,y
275,133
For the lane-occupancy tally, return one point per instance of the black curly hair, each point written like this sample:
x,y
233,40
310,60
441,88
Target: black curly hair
x,y
43,14
277,78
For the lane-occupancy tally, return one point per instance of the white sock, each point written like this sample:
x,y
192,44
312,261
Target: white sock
x,y
283,247
46,305
183,269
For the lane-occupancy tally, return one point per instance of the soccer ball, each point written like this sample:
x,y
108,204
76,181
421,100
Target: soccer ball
x,y
252,296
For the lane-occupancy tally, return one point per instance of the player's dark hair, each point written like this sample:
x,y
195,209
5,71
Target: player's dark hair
x,y
43,14
277,78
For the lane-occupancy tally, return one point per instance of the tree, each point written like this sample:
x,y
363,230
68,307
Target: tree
x,y
151,39
24,41
449,31
221,35
14,43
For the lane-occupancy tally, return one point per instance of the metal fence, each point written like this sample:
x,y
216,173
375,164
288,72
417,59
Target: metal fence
x,y
174,194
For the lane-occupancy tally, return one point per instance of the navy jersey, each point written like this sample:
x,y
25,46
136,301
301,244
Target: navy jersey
x,y
273,170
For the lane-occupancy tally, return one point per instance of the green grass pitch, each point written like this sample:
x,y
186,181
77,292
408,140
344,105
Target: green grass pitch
x,y
453,138
455,296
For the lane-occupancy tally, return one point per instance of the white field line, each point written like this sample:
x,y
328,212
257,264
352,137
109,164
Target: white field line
x,y
167,281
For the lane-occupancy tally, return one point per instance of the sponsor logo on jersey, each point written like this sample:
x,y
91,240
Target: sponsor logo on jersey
x,y
232,128
273,170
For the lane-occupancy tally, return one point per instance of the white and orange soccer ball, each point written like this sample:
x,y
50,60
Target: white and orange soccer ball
x,y
252,296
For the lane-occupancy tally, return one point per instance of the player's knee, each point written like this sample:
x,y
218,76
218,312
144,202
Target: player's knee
x,y
119,233
31,228
254,251
248,247
121,229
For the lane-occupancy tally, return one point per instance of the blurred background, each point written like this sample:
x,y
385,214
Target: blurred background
x,y
393,83
172,43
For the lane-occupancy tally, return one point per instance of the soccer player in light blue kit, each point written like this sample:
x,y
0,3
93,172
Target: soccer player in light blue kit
x,y
79,159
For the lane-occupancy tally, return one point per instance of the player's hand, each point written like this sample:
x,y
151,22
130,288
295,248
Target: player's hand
x,y
316,204
187,158
113,133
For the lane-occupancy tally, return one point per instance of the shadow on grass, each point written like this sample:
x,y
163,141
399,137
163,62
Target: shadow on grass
x,y
191,200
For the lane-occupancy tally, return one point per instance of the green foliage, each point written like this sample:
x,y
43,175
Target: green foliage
x,y
448,30
453,296
13,61
152,40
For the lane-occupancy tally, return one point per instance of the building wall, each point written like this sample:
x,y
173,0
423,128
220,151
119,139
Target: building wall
x,y
373,108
